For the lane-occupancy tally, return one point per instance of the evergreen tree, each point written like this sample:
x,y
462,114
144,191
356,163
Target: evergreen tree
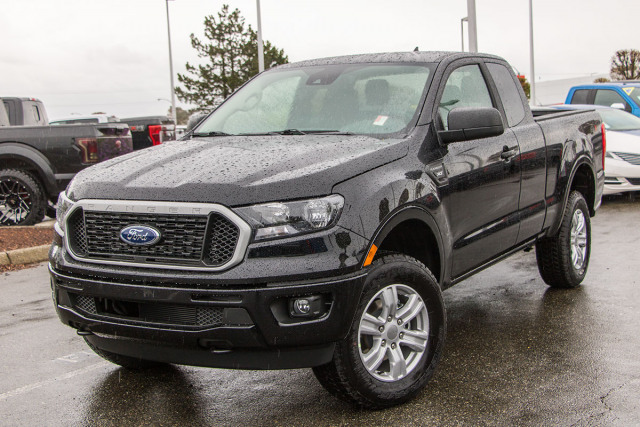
x,y
231,53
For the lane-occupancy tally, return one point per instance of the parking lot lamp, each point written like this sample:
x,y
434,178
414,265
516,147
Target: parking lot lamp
x,y
173,93
260,46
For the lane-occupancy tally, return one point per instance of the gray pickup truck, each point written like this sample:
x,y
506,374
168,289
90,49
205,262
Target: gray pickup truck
x,y
314,218
37,160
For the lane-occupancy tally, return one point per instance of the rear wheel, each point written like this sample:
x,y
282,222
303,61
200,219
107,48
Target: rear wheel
x,y
22,200
563,259
396,338
128,362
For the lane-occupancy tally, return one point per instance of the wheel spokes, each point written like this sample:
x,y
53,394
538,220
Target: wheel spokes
x,y
415,340
390,301
370,325
411,308
397,363
374,357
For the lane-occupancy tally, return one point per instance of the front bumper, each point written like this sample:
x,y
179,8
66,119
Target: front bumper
x,y
253,330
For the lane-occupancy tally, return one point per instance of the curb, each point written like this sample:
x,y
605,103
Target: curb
x,y
25,255
28,255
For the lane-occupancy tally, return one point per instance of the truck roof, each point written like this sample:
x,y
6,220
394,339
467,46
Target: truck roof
x,y
389,57
635,83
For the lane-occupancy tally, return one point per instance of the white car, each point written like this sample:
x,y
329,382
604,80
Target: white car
x,y
622,161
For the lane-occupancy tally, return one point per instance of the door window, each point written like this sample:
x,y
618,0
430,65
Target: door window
x,y
465,87
580,96
608,98
509,93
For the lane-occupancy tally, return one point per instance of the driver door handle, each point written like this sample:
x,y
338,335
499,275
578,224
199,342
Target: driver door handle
x,y
507,154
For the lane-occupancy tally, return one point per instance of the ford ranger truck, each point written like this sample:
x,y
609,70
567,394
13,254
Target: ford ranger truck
x,y
316,216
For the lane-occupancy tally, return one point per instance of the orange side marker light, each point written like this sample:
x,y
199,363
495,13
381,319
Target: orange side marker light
x,y
370,255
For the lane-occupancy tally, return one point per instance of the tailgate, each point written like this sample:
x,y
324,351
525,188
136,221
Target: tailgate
x,y
112,140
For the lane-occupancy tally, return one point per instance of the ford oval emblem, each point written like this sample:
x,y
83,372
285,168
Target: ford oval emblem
x,y
140,235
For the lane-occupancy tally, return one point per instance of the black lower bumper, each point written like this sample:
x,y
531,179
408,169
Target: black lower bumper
x,y
239,327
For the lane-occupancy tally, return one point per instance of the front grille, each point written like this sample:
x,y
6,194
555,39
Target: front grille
x,y
611,180
634,159
158,313
181,315
633,181
189,240
86,304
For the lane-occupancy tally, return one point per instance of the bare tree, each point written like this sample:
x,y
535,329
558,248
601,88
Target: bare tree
x,y
625,65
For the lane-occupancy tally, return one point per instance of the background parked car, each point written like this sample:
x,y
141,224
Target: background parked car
x,y
621,95
150,130
622,161
37,161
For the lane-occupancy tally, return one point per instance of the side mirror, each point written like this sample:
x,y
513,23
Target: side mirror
x,y
466,123
195,120
618,105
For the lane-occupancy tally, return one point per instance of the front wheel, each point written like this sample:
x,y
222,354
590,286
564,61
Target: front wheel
x,y
396,338
22,200
563,259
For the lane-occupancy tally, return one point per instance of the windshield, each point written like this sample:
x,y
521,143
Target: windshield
x,y
374,99
619,120
634,93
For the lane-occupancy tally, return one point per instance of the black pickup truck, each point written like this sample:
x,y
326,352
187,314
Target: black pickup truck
x,y
37,161
315,217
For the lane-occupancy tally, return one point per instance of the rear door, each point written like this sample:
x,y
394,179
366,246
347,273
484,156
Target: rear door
x,y
481,198
533,155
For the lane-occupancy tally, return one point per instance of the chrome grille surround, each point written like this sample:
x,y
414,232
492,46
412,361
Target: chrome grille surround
x,y
160,209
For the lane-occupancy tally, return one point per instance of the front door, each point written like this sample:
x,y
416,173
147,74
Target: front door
x,y
481,197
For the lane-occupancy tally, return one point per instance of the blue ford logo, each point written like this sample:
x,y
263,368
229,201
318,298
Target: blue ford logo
x,y
139,235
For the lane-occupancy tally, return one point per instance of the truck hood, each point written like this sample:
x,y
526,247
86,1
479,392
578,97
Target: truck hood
x,y
236,170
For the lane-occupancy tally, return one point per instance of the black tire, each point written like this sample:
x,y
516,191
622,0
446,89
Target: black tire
x,y
22,200
558,265
347,377
127,362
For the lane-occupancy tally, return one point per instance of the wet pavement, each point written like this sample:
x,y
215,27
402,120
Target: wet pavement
x,y
517,353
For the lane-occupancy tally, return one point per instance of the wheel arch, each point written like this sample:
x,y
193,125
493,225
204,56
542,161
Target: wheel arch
x,y
583,180
23,157
414,232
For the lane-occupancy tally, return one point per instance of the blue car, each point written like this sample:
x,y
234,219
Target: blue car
x,y
622,95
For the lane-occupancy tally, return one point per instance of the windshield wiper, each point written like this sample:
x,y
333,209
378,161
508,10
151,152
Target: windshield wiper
x,y
297,132
213,133
289,132
331,132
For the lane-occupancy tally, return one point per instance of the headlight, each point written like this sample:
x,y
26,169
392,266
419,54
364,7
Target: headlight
x,y
64,204
289,218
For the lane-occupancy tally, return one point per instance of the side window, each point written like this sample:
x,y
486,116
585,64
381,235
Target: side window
x,y
509,94
609,97
465,87
36,114
580,96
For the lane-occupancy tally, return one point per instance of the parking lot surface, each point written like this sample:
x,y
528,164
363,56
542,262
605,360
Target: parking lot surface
x,y
517,353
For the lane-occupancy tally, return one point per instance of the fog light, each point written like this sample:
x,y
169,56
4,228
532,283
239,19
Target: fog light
x,y
312,306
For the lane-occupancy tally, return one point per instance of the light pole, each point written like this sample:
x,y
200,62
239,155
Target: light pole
x,y
173,93
533,72
260,46
473,29
462,21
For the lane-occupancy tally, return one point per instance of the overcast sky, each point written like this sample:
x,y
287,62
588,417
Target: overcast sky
x,y
82,56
